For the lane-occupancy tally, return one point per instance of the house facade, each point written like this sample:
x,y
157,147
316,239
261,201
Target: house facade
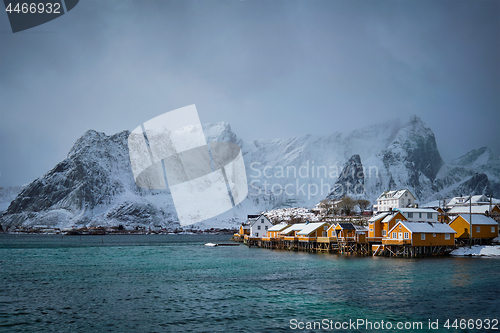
x,y
290,233
380,224
419,214
420,234
487,209
273,232
389,200
259,225
483,227
311,231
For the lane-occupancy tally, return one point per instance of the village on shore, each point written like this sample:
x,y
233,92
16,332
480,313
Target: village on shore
x,y
396,226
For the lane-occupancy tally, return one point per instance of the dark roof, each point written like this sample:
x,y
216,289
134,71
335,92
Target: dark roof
x,y
348,226
253,216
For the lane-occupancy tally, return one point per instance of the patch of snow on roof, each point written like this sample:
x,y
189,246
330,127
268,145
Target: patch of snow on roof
x,y
388,218
278,227
480,209
480,220
428,227
360,228
293,227
378,217
416,210
392,194
311,227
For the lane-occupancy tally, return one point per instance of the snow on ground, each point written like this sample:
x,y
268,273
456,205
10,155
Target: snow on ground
x,y
477,250
286,214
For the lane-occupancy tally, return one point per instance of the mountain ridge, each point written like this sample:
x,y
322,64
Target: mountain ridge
x,y
94,184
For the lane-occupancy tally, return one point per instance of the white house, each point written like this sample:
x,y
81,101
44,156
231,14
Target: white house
x,y
475,209
419,214
389,200
259,224
475,200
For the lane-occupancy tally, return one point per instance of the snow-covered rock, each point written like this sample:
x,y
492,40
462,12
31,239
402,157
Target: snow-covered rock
x,y
94,185
478,250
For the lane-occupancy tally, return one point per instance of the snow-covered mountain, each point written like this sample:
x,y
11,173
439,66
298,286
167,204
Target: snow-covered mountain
x,y
94,185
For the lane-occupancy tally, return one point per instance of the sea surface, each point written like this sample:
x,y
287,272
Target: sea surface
x,y
172,283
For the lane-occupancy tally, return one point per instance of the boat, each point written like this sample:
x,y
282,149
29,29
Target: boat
x,y
210,244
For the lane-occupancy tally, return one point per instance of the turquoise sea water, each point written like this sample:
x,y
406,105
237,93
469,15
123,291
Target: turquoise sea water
x,y
172,283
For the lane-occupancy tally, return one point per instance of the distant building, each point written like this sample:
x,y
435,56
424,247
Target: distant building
x,y
483,227
311,231
389,200
244,230
259,224
420,234
419,214
274,231
475,209
290,233
380,224
475,200
348,232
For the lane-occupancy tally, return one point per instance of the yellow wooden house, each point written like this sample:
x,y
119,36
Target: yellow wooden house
x,y
273,232
380,224
483,227
331,235
290,233
243,231
420,234
311,231
345,232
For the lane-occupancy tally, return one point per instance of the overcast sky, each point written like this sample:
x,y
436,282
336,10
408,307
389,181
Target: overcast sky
x,y
269,68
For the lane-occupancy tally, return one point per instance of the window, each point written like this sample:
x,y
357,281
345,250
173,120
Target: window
x,y
371,229
429,216
406,194
325,228
447,236
267,227
258,227
410,215
261,220
384,233
492,230
422,236
434,235
409,201
419,215
256,234
478,229
407,235
394,235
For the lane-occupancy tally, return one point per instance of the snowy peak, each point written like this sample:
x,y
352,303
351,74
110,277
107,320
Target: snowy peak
x,y
476,158
219,132
93,143
351,180
415,144
370,139
94,185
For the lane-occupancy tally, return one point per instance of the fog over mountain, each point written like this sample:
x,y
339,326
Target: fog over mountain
x,y
94,185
